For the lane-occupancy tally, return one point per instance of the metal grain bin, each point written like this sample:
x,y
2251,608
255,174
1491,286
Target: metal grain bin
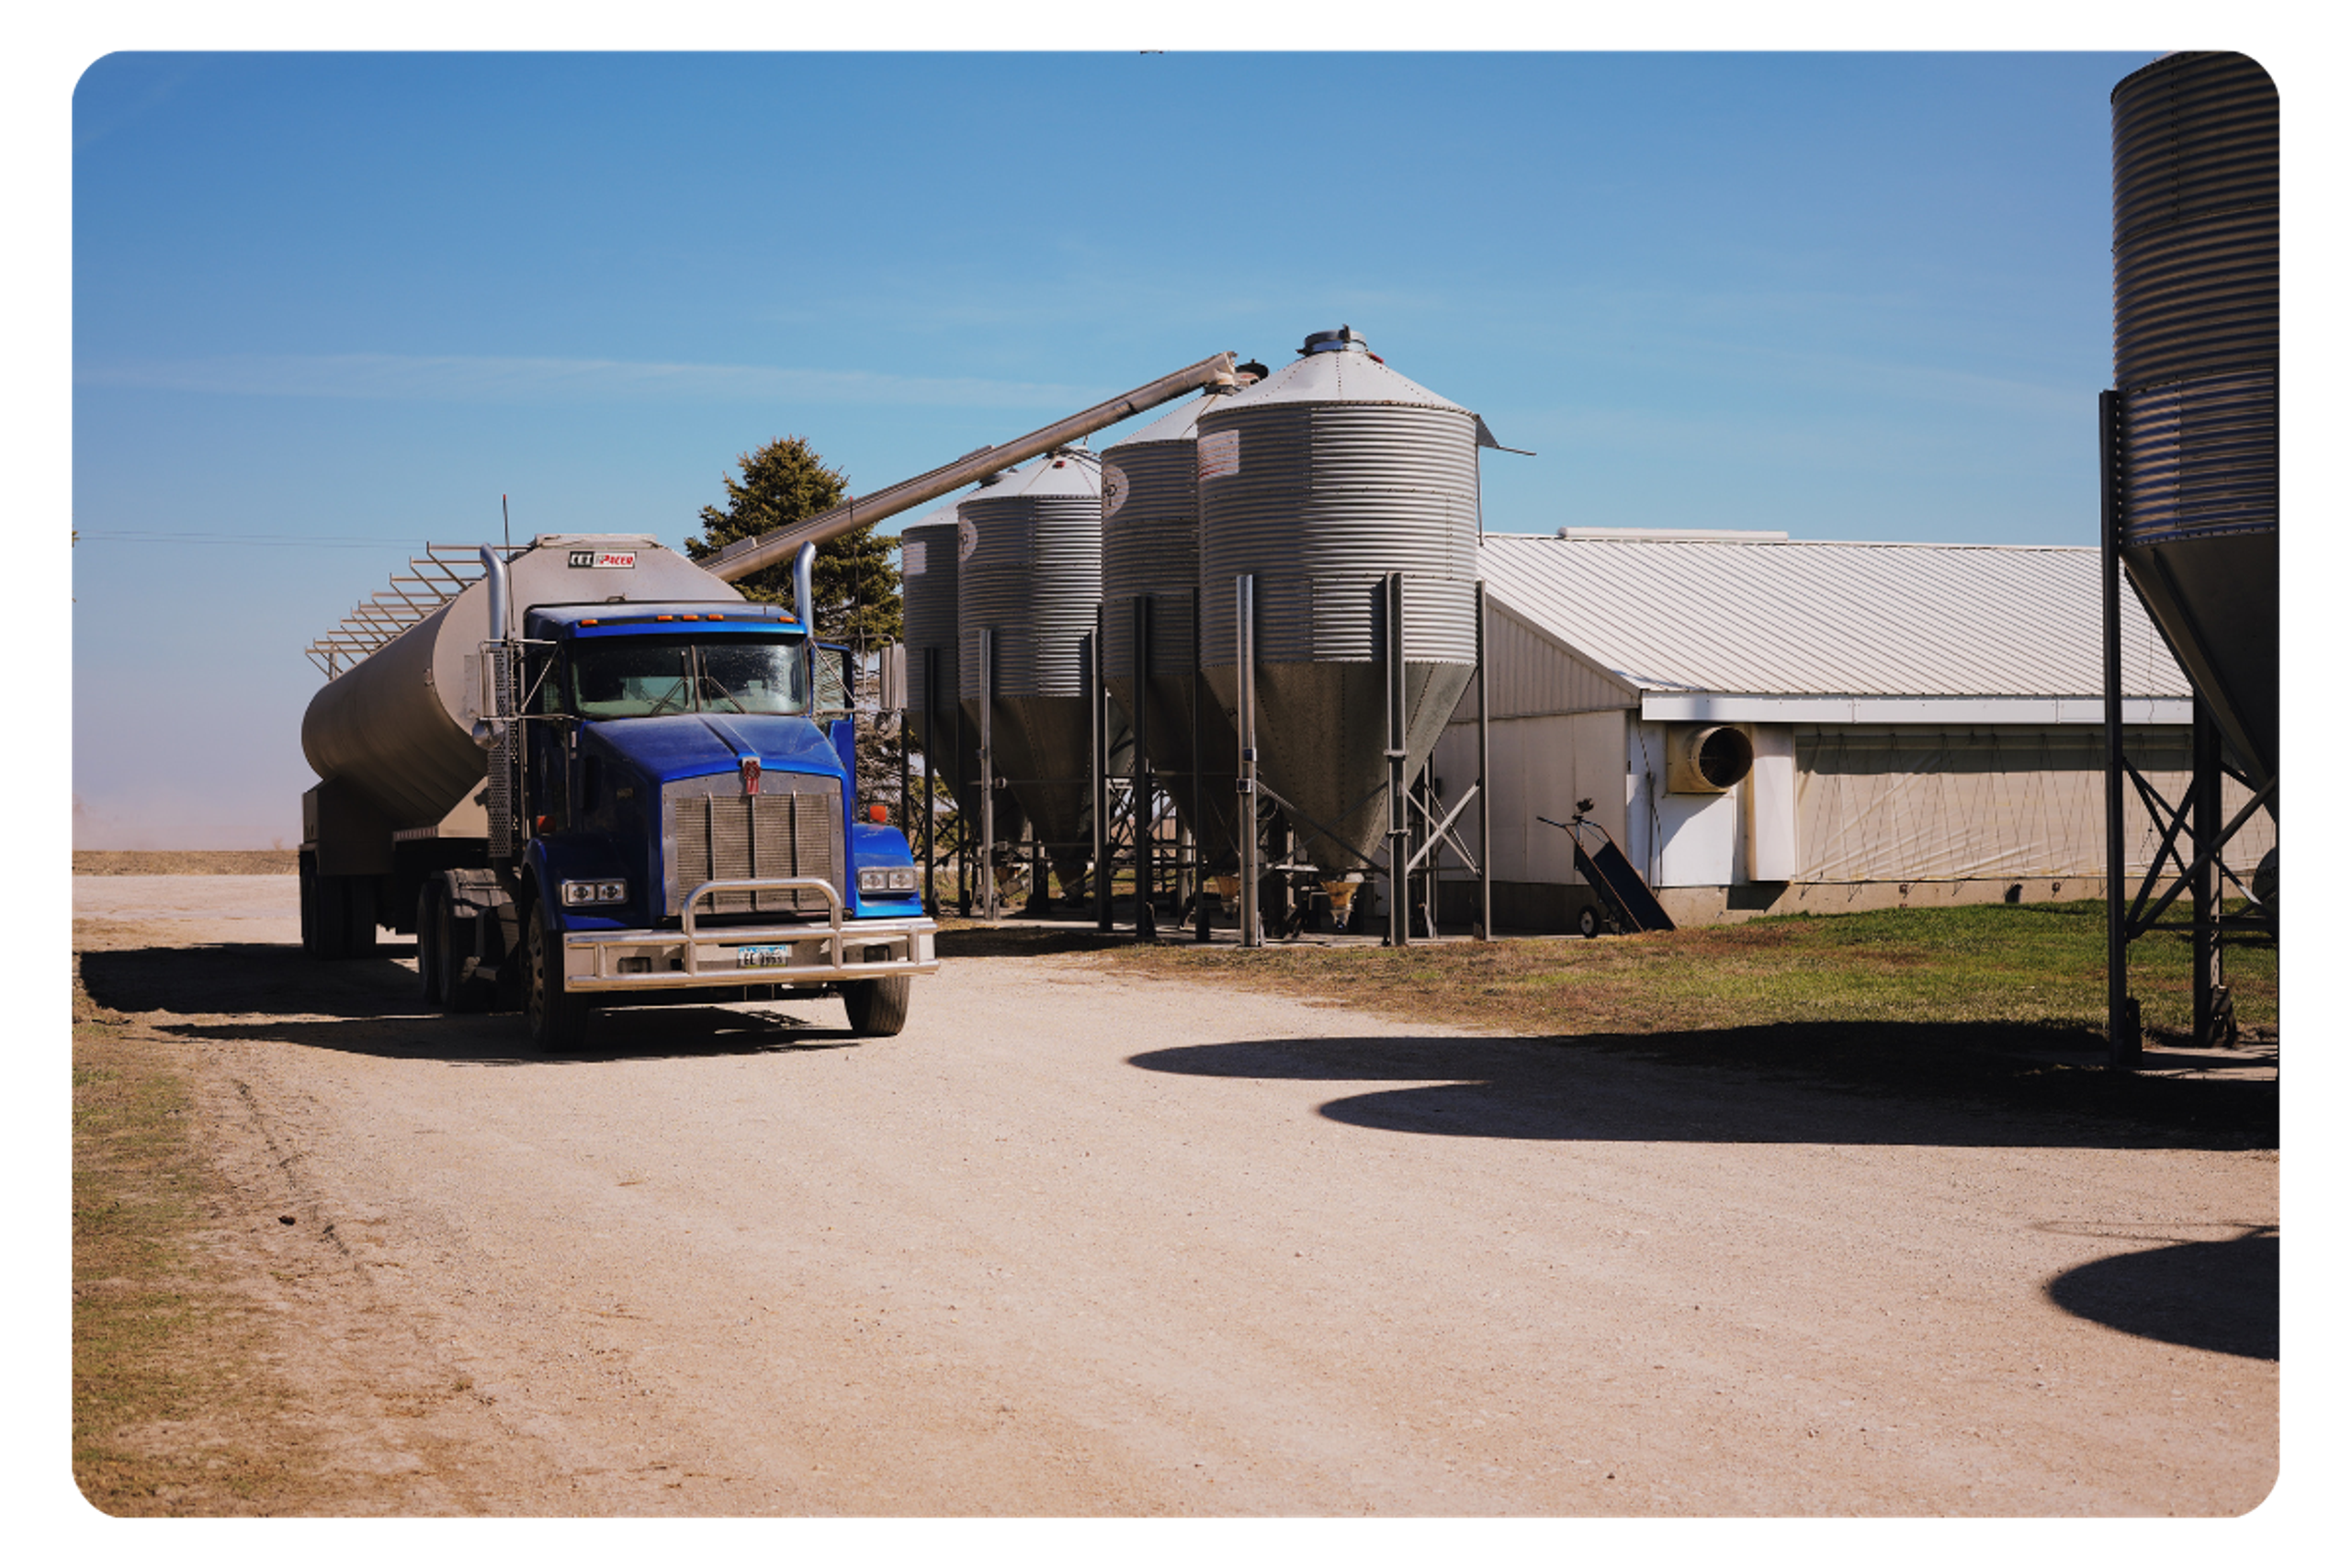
x,y
2196,372
1320,481
1151,550
398,726
927,564
1029,558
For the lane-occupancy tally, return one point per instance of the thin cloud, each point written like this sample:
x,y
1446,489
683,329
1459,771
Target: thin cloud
x,y
473,378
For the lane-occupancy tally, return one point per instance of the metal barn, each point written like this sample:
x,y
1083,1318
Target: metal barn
x,y
1922,722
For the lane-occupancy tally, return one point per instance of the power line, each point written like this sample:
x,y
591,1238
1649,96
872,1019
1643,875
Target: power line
x,y
270,541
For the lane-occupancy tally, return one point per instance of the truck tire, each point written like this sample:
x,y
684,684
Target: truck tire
x,y
878,1007
441,959
454,945
307,894
327,907
555,1018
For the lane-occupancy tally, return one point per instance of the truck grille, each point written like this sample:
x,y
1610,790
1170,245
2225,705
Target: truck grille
x,y
793,827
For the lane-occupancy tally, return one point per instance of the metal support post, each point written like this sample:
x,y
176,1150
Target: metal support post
x,y
2216,1017
1245,650
1485,818
1141,815
964,805
2122,1012
1421,838
1098,763
1392,600
1200,823
987,774
929,782
906,775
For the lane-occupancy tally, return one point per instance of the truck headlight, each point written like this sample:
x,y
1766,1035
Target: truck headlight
x,y
886,879
576,894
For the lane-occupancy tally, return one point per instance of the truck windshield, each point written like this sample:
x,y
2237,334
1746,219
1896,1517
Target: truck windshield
x,y
632,677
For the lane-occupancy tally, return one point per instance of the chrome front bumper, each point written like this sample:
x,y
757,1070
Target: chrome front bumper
x,y
838,949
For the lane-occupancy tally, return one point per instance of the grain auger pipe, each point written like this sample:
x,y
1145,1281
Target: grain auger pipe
x,y
745,557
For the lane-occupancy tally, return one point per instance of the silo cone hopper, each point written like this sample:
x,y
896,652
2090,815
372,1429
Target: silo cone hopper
x,y
1323,741
2216,601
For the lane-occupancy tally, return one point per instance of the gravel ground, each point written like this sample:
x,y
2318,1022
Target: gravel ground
x,y
1079,1243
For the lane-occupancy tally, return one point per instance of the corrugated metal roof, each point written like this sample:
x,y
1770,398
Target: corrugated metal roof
x,y
1802,618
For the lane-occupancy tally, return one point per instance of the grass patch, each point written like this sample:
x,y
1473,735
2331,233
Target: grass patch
x,y
184,862
166,1378
1974,997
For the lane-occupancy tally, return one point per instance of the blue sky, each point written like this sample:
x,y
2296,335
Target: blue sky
x,y
327,307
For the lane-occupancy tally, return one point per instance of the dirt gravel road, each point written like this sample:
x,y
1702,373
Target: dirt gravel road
x,y
1078,1243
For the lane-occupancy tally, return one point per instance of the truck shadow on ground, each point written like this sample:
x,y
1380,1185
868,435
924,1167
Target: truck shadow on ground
x,y
1725,1086
370,1007
2207,1295
1015,940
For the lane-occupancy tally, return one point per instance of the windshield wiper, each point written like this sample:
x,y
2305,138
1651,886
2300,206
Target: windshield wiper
x,y
662,704
716,685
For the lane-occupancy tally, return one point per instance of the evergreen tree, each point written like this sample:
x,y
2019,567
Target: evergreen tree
x,y
854,580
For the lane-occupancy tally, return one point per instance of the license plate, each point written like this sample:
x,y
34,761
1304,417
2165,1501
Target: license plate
x,y
769,957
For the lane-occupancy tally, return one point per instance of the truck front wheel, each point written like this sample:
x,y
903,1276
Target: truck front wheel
x,y
555,1017
878,1007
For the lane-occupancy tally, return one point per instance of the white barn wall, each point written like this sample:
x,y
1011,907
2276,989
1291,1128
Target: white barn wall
x,y
1921,815
1909,804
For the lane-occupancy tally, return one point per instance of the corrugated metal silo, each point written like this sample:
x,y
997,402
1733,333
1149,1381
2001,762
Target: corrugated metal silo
x,y
1320,481
927,563
1029,560
1151,549
2197,375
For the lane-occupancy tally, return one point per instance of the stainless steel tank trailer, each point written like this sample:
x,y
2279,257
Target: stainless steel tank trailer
x,y
591,772
603,765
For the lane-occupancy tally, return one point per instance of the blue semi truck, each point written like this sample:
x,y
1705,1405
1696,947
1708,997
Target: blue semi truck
x,y
589,772
598,776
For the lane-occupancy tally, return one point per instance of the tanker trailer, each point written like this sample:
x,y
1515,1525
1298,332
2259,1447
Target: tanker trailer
x,y
600,774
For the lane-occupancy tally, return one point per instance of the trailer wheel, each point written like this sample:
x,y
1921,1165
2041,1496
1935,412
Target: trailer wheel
x,y
306,885
429,951
1588,922
326,901
358,908
555,1018
878,1007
